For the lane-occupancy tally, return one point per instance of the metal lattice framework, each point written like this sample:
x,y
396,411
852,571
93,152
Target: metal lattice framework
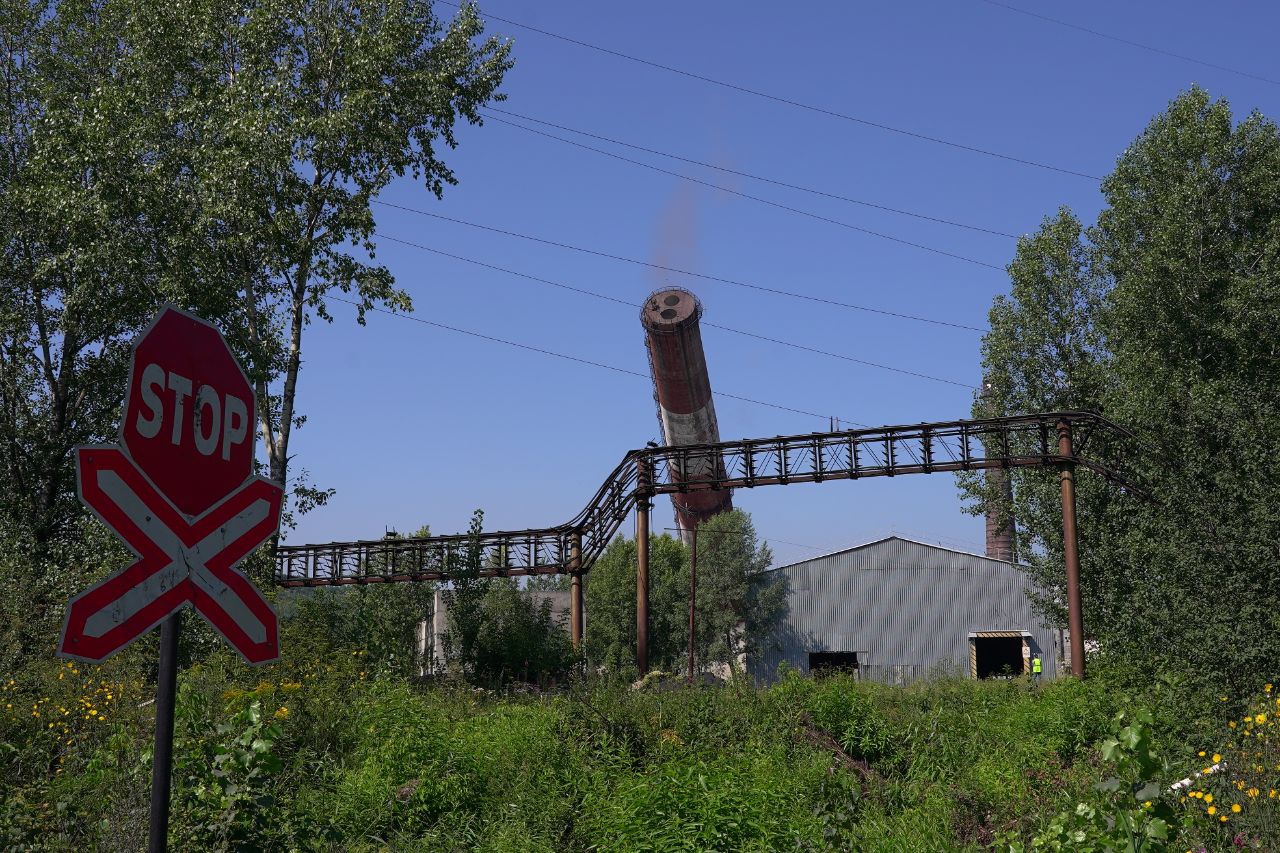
x,y
571,548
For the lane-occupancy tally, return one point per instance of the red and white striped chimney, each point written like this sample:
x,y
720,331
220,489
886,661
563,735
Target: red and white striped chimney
x,y
682,390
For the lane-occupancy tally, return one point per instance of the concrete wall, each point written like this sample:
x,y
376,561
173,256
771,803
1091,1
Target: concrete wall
x,y
431,631
907,609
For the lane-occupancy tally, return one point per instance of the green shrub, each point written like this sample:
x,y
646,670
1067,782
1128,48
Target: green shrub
x,y
748,802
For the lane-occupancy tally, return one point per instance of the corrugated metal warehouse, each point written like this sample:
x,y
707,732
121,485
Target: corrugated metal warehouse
x,y
898,610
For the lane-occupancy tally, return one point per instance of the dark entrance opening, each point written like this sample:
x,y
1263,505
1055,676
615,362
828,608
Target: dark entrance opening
x,y
824,663
998,656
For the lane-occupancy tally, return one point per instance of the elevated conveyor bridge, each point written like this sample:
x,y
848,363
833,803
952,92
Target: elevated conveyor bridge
x,y
1051,439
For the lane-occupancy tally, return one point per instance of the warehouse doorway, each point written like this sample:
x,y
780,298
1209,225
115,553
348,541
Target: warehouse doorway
x,y
998,654
827,663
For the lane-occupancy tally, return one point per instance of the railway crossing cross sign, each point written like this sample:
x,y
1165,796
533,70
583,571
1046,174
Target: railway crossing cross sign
x,y
178,491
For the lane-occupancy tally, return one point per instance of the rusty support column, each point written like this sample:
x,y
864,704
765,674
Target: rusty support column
x,y
1071,549
575,589
642,570
693,594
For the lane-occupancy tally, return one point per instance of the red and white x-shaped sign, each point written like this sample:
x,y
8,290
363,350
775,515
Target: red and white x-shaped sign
x,y
179,561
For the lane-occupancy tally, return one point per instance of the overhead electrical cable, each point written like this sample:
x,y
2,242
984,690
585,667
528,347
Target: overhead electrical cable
x,y
796,210
761,178
768,539
574,358
788,101
614,299
1132,43
678,271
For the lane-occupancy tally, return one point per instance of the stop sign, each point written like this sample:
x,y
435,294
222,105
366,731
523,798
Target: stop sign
x,y
189,417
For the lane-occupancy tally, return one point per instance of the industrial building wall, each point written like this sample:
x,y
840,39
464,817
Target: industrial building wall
x,y
902,604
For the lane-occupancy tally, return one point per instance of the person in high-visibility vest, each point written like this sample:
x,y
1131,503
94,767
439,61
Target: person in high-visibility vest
x,y
1036,667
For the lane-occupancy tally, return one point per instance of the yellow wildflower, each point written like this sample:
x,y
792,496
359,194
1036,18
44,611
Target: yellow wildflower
x,y
1147,804
1208,798
1200,753
1252,792
1223,818
1213,809
282,713
1235,808
1260,718
1272,793
1216,758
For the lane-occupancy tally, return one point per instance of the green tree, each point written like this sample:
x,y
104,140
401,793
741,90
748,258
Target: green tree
x,y
735,607
464,597
610,604
381,620
1163,315
221,156
329,100
496,631
519,639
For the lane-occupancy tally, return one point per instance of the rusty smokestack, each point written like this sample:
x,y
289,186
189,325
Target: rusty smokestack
x,y
682,390
999,515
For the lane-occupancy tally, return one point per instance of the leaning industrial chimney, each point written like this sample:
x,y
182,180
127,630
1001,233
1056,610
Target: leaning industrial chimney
x,y
683,393
1000,523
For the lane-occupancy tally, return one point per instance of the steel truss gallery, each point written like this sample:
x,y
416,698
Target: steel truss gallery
x,y
1050,440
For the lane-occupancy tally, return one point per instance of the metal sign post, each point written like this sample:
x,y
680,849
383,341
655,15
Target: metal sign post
x,y
179,492
162,755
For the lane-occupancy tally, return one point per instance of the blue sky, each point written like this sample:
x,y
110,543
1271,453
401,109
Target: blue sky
x,y
417,425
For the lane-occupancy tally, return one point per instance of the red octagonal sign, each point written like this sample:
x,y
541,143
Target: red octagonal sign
x,y
189,417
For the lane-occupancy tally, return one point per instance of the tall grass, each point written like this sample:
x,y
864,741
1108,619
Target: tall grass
x,y
369,761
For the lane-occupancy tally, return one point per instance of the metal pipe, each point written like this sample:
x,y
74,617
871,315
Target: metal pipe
x,y
642,571
693,584
1071,549
162,754
693,594
575,589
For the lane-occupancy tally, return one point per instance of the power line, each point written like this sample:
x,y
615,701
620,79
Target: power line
x,y
1131,43
768,539
677,270
573,358
614,299
761,178
788,101
754,198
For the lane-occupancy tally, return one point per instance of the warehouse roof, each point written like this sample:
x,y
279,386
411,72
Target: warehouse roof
x,y
881,541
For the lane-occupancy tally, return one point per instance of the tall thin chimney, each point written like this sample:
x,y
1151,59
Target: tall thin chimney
x,y
683,392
